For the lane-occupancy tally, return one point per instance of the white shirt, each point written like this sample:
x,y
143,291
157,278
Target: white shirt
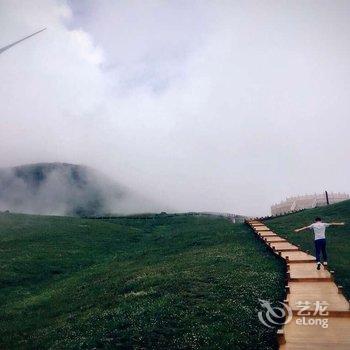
x,y
319,229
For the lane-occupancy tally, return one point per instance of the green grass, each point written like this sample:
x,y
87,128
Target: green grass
x,y
338,238
165,282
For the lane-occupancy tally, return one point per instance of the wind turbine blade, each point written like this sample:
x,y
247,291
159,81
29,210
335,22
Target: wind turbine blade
x,y
17,42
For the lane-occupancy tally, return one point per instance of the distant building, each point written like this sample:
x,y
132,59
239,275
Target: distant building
x,y
307,202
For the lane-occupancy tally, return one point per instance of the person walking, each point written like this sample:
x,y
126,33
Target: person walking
x,y
319,229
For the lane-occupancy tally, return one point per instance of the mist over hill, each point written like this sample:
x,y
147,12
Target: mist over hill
x,y
66,189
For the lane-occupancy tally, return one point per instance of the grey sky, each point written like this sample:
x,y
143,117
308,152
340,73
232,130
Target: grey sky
x,y
203,105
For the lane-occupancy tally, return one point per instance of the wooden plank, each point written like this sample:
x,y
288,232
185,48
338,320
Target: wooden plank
x,y
274,239
260,229
297,257
284,246
337,335
308,272
267,234
313,293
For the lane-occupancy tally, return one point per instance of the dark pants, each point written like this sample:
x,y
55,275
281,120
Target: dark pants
x,y
320,246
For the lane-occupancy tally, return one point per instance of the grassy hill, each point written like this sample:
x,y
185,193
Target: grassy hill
x,y
160,281
338,238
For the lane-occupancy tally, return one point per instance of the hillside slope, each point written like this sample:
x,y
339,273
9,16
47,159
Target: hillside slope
x,y
169,282
338,238
65,189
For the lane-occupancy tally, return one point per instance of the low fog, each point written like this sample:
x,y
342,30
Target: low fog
x,y
197,105
67,189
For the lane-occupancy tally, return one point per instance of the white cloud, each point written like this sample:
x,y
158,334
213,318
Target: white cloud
x,y
204,105
87,50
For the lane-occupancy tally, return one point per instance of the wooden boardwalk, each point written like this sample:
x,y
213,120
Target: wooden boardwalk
x,y
312,297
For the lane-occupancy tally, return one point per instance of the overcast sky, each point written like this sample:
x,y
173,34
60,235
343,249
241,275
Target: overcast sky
x,y
202,105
